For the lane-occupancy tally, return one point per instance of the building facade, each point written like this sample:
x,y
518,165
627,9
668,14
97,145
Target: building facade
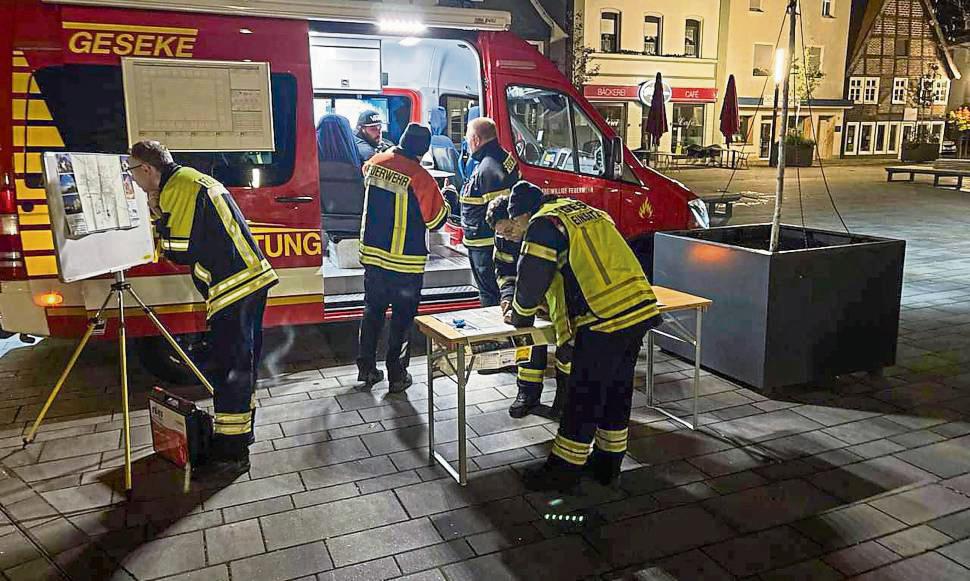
x,y
633,40
751,31
960,88
898,77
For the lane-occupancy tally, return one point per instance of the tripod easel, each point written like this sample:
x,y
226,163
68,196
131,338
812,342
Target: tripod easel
x,y
118,290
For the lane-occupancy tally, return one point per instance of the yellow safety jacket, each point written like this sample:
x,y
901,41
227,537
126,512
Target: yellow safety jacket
x,y
610,280
202,227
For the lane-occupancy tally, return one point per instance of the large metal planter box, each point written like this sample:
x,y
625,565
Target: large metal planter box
x,y
919,152
800,155
827,303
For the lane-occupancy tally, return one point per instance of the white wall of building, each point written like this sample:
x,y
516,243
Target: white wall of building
x,y
618,69
742,28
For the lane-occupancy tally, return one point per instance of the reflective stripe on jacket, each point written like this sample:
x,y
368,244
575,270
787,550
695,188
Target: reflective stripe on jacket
x,y
494,176
574,256
202,227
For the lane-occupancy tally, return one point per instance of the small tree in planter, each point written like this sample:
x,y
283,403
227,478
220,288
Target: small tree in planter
x,y
799,151
791,305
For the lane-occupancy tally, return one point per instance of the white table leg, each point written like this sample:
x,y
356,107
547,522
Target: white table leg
x,y
462,448
430,347
650,367
697,360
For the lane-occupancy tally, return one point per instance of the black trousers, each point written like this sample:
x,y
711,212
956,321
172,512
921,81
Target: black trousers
x,y
236,334
383,289
599,396
531,367
483,271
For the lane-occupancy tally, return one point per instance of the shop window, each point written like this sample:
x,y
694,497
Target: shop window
x,y
688,125
615,116
745,136
764,141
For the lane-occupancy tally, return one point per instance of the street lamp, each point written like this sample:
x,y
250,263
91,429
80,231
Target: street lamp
x,y
779,78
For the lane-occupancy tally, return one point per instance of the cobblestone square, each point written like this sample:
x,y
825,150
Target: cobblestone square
x,y
861,476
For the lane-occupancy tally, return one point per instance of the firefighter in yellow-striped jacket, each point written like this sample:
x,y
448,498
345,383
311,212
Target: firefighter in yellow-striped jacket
x,y
402,203
199,225
530,362
597,293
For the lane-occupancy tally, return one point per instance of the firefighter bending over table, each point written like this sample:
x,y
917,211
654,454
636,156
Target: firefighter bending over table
x,y
402,203
530,361
200,226
598,294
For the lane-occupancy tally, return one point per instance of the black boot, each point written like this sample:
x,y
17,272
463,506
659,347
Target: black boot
x,y
553,474
370,376
525,402
228,459
604,467
401,385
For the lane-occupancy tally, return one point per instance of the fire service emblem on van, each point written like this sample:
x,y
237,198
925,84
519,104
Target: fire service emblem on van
x,y
646,210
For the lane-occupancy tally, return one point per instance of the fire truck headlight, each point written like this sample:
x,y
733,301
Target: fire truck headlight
x,y
699,210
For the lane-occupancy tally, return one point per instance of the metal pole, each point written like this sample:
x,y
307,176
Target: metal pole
x,y
774,122
785,93
123,353
67,370
697,359
650,367
171,341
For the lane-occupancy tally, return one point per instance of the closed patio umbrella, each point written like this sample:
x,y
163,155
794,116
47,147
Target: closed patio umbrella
x,y
657,118
730,118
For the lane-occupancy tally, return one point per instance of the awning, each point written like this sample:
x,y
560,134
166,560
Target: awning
x,y
631,93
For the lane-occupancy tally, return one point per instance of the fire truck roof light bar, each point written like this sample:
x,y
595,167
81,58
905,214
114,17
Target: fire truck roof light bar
x,y
329,10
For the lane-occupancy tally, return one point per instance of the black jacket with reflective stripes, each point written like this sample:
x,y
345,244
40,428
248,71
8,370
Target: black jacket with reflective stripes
x,y
506,256
402,202
201,227
494,176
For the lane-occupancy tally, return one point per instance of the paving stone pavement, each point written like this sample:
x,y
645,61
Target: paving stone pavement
x,y
863,476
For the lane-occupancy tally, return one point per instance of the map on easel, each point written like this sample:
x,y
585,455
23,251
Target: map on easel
x,y
99,216
97,191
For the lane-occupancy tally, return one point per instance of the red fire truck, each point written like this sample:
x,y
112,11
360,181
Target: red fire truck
x,y
62,89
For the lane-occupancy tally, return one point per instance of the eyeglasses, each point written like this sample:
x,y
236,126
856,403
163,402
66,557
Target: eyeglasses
x,y
131,167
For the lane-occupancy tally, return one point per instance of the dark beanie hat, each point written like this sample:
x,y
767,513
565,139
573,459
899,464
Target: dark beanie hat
x,y
415,140
525,199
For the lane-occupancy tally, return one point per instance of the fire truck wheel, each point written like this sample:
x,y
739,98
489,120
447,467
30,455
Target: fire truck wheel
x,y
159,359
643,249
